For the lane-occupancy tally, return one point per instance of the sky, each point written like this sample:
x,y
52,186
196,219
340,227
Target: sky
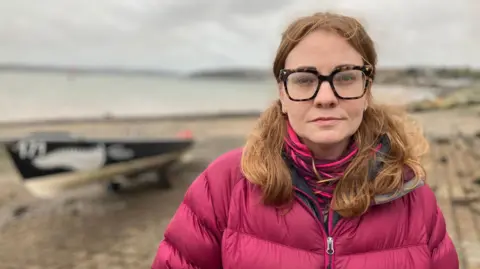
x,y
187,35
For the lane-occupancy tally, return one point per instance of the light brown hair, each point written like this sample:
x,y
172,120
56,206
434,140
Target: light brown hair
x,y
262,161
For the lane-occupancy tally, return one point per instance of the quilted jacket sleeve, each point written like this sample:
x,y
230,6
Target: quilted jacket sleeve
x,y
192,239
444,254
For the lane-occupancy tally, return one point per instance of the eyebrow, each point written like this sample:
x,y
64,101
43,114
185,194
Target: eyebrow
x,y
335,67
306,66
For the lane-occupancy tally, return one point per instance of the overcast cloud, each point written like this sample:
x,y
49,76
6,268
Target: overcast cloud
x,y
191,34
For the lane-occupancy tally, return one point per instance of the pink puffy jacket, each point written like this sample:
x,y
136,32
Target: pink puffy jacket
x,y
222,223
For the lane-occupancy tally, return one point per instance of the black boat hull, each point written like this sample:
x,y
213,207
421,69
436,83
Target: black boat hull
x,y
36,158
49,164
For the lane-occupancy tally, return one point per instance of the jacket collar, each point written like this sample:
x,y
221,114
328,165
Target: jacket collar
x,y
375,166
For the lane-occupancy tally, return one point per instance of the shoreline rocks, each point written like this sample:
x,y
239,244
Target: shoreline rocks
x,y
463,97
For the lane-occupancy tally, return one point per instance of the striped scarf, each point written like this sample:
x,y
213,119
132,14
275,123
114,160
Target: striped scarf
x,y
322,176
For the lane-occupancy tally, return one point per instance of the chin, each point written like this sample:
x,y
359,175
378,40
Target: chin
x,y
327,137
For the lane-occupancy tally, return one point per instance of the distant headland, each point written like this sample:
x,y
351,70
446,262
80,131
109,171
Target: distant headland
x,y
415,75
84,70
409,76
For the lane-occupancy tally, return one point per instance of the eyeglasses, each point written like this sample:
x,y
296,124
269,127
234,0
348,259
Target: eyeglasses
x,y
347,82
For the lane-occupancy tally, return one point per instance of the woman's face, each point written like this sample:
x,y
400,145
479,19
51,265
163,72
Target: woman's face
x,y
326,120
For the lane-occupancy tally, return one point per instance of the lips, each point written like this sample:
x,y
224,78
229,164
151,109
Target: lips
x,y
327,119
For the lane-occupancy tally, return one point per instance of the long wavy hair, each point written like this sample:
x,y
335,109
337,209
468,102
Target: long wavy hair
x,y
262,162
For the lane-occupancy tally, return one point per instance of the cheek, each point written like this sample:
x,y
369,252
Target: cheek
x,y
355,114
297,114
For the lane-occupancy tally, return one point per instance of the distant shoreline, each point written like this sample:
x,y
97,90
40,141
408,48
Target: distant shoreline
x,y
72,70
127,119
387,73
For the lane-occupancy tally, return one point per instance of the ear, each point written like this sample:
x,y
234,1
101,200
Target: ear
x,y
281,92
280,89
369,97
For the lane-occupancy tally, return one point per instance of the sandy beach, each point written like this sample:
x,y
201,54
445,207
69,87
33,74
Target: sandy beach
x,y
90,228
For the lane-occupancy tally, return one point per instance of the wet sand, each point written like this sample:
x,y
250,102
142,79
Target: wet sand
x,y
90,228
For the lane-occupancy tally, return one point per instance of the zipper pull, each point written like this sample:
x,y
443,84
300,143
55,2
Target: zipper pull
x,y
330,249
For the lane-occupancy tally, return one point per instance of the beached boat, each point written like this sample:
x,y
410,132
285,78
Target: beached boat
x,y
53,162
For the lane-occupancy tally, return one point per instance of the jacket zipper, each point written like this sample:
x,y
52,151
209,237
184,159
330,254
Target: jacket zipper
x,y
330,241
330,249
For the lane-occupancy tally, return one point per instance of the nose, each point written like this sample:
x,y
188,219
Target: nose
x,y
326,97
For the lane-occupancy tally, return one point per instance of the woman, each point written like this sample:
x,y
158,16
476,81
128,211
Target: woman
x,y
328,179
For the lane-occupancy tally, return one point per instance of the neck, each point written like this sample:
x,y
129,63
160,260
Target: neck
x,y
328,152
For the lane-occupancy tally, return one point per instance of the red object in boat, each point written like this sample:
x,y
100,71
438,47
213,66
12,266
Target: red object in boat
x,y
185,134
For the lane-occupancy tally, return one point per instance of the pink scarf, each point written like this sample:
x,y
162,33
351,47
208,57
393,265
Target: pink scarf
x,y
304,161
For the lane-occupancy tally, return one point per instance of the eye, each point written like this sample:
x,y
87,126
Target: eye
x,y
304,79
346,76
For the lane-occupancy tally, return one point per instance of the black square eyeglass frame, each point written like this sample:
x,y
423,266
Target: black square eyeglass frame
x,y
366,69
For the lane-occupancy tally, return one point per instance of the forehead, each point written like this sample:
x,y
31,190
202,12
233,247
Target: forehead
x,y
324,50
